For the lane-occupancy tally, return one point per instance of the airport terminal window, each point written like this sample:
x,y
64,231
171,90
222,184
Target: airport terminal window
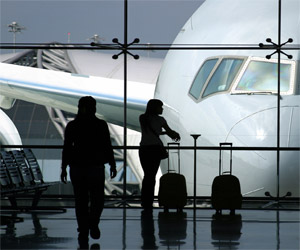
x,y
201,77
262,76
223,76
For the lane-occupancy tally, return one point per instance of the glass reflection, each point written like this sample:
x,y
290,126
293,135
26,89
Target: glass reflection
x,y
172,228
226,231
148,231
262,76
34,238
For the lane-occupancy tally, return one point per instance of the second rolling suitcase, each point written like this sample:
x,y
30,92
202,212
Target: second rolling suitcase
x,y
226,190
172,188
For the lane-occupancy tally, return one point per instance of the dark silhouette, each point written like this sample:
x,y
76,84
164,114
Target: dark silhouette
x,y
172,228
148,232
87,147
226,188
151,148
226,230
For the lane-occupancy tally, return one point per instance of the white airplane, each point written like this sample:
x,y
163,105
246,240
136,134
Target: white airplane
x,y
224,95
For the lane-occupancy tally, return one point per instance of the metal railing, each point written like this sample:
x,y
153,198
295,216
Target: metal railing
x,y
125,197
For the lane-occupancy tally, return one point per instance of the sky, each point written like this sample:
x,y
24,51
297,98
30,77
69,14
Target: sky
x,y
152,21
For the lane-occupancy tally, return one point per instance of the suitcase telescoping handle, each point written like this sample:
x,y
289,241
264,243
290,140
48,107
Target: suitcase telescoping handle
x,y
222,144
174,144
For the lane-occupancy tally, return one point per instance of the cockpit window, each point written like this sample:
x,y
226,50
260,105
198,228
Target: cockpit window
x,y
201,77
223,76
262,76
243,75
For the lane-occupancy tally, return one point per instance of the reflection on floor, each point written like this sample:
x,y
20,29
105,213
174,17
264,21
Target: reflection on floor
x,y
131,229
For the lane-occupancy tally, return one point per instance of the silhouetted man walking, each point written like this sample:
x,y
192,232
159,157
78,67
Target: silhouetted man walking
x,y
87,147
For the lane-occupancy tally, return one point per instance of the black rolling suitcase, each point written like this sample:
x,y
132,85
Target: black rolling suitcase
x,y
172,191
226,189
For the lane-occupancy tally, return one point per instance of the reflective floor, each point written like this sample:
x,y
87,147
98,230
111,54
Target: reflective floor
x,y
129,229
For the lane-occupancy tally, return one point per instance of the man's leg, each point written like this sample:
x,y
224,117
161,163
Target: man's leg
x,y
80,188
96,188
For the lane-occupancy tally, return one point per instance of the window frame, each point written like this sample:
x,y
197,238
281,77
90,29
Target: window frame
x,y
207,79
220,59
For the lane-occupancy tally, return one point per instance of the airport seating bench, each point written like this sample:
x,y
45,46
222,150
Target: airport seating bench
x,y
20,174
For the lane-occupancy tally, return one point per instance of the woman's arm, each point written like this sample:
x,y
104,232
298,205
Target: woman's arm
x,y
171,133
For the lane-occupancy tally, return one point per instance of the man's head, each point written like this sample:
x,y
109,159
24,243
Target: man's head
x,y
87,106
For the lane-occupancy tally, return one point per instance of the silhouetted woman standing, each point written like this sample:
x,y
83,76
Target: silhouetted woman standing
x,y
152,125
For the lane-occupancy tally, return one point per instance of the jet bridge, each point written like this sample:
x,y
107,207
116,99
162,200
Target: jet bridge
x,y
58,60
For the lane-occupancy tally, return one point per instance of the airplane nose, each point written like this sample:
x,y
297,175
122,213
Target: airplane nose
x,y
260,130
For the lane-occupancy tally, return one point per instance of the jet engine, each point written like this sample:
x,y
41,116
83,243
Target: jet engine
x,y
9,134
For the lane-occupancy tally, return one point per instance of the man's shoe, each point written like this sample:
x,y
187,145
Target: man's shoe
x,y
83,241
95,232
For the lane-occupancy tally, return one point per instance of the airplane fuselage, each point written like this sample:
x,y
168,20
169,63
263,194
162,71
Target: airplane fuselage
x,y
243,109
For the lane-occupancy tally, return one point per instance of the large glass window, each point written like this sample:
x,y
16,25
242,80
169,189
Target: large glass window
x,y
262,76
201,77
223,76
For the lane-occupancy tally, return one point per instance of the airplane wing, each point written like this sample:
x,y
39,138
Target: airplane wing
x,y
63,90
